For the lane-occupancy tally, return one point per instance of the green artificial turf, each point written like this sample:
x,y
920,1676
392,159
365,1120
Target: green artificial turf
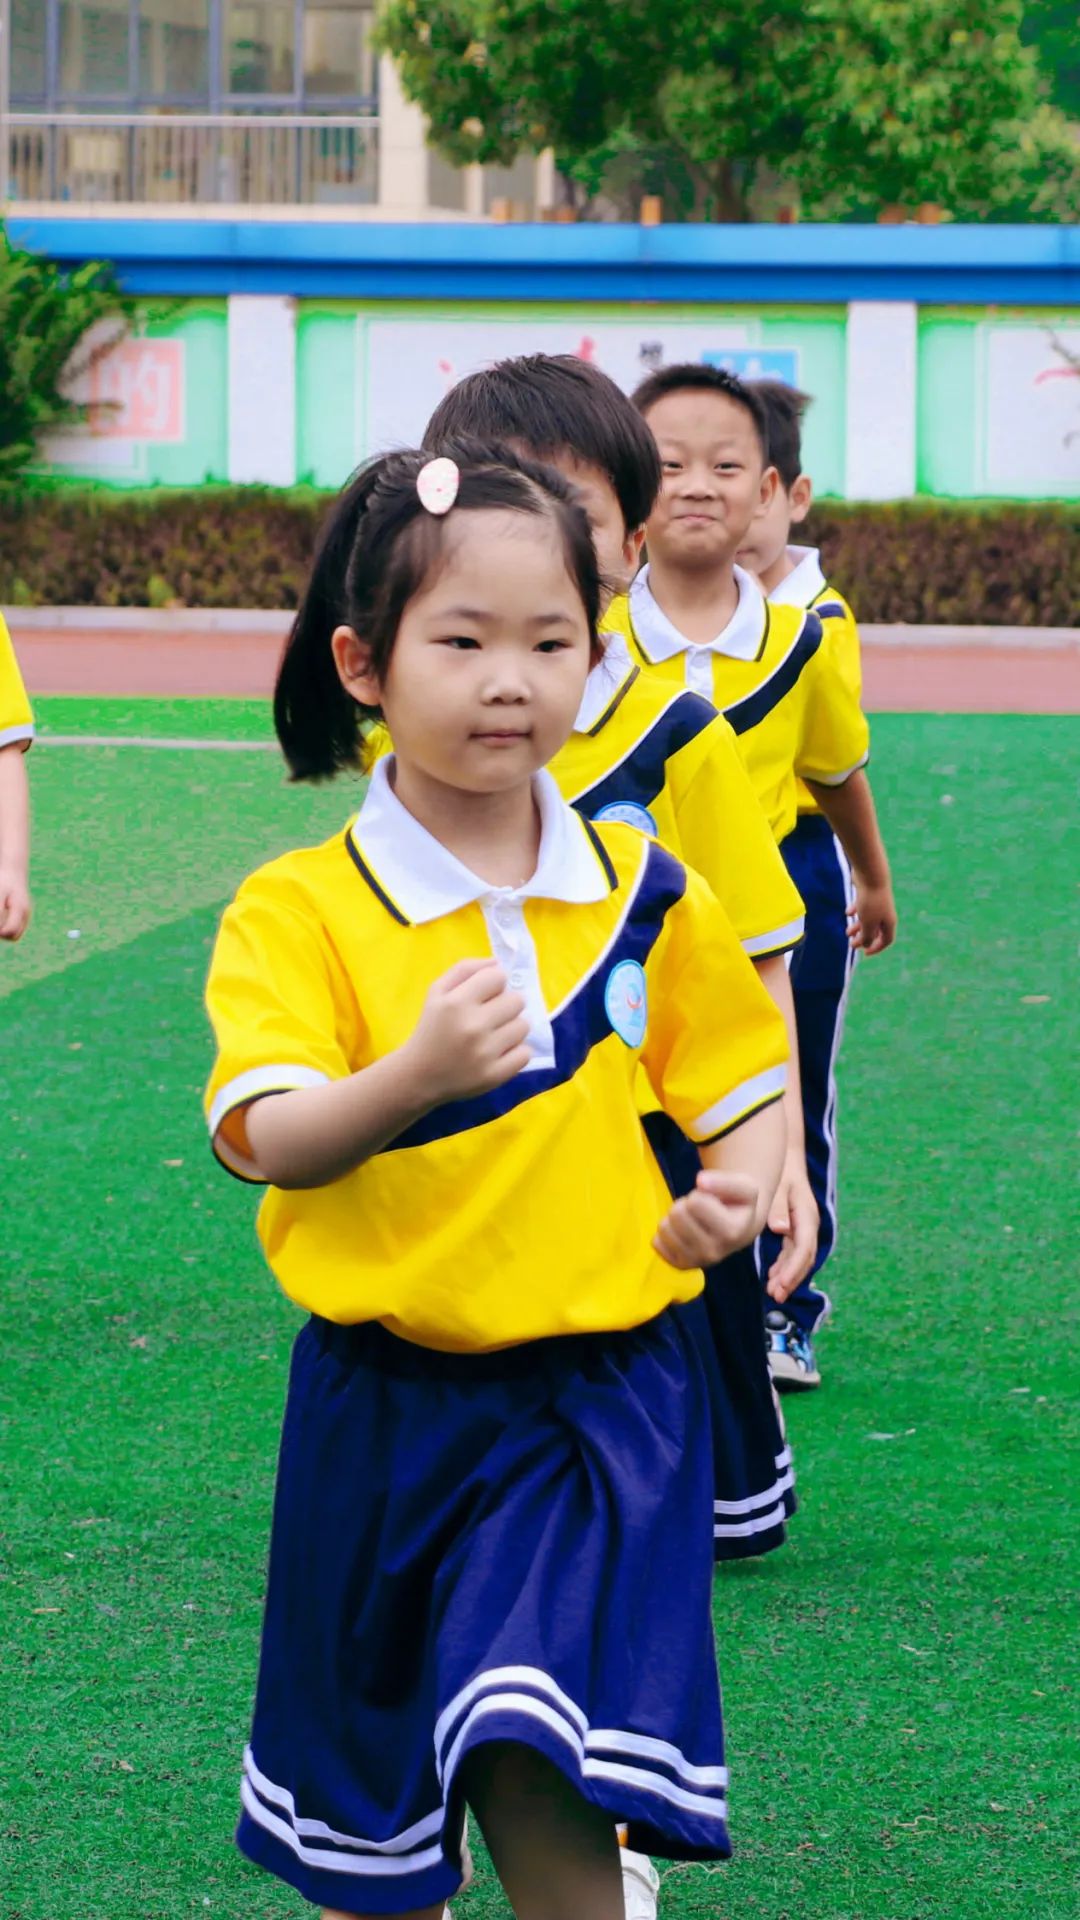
x,y
896,1680
248,720
128,837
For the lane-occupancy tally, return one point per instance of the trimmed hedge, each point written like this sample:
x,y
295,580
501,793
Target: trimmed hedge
x,y
1013,564
204,547
921,561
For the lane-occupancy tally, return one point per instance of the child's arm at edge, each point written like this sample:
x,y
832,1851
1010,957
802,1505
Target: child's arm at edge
x,y
850,812
14,843
734,1192
793,1216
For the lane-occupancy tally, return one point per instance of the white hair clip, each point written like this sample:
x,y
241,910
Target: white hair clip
x,y
437,484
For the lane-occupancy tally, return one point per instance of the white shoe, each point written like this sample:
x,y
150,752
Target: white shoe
x,y
641,1885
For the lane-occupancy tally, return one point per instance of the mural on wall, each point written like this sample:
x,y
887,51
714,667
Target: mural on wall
x,y
136,398
1031,388
137,393
411,364
157,404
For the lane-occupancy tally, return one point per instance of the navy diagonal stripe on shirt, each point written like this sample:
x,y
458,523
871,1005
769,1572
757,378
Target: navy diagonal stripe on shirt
x,y
583,1022
751,711
829,610
640,777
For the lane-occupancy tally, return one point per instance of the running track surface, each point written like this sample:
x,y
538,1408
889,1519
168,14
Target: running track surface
x,y
903,678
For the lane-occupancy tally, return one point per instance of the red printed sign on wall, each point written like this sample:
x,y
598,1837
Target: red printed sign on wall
x,y
137,391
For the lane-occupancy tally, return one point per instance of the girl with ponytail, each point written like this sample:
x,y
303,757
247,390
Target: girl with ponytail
x,y
491,1562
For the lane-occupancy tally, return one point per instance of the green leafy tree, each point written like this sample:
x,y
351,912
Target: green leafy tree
x,y
846,105
53,327
1052,27
621,82
935,100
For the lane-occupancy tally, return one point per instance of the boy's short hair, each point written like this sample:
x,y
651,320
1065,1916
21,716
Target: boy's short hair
x,y
784,409
552,404
696,376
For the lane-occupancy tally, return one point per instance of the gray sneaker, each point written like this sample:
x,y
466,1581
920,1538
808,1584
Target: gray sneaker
x,y
791,1354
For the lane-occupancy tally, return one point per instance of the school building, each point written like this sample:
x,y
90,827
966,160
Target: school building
x,y
211,104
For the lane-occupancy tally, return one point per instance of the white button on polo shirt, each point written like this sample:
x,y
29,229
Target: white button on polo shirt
x,y
512,945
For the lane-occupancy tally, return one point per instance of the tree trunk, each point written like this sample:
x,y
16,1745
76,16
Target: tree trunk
x,y
721,192
731,192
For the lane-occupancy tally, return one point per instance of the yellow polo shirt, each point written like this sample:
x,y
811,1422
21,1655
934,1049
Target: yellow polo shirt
x,y
662,759
16,719
772,676
806,586
529,1211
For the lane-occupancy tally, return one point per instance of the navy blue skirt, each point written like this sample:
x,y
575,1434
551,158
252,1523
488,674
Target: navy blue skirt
x,y
753,1476
467,1548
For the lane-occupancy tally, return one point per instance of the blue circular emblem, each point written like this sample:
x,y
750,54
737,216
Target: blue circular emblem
x,y
631,816
626,1002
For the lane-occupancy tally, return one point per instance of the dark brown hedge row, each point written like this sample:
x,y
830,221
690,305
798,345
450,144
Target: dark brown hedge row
x,y
1008,565
1011,564
208,547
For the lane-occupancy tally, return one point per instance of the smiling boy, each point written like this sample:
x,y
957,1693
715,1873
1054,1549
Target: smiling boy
x,y
693,616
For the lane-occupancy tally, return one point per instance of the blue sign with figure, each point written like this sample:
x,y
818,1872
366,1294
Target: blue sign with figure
x,y
757,363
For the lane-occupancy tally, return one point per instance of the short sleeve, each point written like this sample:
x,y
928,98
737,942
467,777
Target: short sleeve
x,y
270,997
16,719
716,1047
725,836
835,737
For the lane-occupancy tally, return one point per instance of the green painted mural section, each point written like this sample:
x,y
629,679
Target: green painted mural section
x,y
950,420
820,339
999,403
328,373
332,372
203,454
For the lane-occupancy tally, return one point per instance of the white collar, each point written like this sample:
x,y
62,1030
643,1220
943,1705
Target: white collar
x,y
661,639
608,680
420,879
805,581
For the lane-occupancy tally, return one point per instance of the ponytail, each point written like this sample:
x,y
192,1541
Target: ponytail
x,y
315,718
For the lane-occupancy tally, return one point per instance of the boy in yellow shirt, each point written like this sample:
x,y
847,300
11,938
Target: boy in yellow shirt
x,y
696,618
822,969
16,733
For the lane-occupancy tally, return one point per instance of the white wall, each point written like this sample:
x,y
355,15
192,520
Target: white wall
x,y
881,399
262,389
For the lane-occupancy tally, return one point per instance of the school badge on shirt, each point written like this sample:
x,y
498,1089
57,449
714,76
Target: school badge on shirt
x,y
631,816
626,1002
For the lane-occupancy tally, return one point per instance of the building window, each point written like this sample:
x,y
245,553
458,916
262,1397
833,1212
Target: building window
x,y
259,47
338,60
28,71
174,50
194,54
94,49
